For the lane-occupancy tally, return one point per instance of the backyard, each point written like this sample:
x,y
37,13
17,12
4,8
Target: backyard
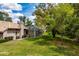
x,y
39,46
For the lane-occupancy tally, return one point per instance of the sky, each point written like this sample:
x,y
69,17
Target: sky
x,y
18,9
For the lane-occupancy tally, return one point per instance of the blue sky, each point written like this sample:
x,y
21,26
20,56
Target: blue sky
x,y
27,8
19,9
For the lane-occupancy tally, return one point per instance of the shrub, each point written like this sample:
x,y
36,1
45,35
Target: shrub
x,y
47,37
6,39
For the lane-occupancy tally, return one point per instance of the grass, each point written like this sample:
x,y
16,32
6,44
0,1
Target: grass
x,y
39,47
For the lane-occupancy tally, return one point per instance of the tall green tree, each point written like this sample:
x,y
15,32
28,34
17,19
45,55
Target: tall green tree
x,y
4,16
76,9
42,16
23,19
28,22
53,16
9,19
61,14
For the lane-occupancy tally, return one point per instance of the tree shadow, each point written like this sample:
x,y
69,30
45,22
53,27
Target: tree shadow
x,y
64,51
32,39
44,40
48,40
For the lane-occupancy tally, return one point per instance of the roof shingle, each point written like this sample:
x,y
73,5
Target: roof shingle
x,y
6,25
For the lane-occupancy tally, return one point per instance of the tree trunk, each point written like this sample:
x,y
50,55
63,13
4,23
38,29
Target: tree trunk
x,y
54,33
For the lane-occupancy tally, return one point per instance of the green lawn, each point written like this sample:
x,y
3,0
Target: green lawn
x,y
38,47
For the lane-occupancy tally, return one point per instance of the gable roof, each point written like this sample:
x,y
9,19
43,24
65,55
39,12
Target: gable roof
x,y
8,25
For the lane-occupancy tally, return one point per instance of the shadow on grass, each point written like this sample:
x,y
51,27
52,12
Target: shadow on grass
x,y
32,39
4,40
64,51
67,40
41,40
48,40
44,40
44,37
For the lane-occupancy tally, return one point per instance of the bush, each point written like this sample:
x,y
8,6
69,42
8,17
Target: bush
x,y
47,37
6,39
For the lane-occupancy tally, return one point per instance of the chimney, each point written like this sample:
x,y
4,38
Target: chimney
x,y
21,29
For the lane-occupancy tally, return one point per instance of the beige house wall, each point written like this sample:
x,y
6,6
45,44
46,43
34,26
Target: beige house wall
x,y
9,29
1,35
11,33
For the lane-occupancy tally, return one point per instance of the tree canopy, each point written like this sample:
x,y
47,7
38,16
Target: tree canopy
x,y
4,16
61,17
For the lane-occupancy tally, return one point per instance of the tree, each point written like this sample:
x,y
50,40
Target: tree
x,y
53,16
28,22
42,16
4,16
23,19
9,19
62,19
76,9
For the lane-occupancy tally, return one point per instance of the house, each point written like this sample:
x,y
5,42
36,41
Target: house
x,y
12,30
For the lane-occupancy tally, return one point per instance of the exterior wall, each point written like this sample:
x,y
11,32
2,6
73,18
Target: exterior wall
x,y
11,33
22,29
1,35
15,31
